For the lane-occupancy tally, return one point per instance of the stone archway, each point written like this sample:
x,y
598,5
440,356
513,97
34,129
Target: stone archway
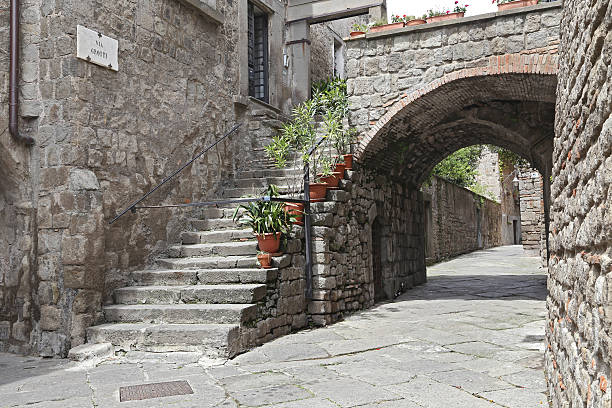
x,y
508,103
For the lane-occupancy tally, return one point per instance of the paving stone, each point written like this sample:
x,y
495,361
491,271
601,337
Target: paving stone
x,y
270,395
349,392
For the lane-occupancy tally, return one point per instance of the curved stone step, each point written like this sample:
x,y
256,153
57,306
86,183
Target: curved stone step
x,y
217,340
222,262
181,313
211,224
210,294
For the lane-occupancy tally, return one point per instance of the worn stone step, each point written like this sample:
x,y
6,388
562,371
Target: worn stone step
x,y
262,183
204,276
213,224
210,294
217,249
213,237
269,173
217,340
181,313
226,276
165,277
251,192
223,262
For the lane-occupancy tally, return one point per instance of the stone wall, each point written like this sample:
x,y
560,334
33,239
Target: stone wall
x,y
579,327
458,221
532,212
368,245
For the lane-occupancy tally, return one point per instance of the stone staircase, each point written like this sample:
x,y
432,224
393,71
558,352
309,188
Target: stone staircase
x,y
207,289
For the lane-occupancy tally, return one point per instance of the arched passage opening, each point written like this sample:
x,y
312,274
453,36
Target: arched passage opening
x,y
514,110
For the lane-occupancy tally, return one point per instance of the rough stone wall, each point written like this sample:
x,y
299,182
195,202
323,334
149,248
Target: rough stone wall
x,y
579,328
344,262
284,308
510,205
488,172
18,241
532,211
459,222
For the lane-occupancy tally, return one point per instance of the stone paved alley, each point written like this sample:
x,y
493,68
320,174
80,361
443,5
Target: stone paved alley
x,y
471,337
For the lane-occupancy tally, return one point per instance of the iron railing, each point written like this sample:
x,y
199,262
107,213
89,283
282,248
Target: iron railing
x,y
305,201
133,208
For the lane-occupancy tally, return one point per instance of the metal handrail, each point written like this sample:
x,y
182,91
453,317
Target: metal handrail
x,y
132,207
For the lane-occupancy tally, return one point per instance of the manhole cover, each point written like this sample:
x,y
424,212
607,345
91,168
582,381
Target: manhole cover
x,y
157,390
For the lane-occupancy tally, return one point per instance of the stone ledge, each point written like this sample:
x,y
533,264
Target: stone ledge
x,y
206,10
459,21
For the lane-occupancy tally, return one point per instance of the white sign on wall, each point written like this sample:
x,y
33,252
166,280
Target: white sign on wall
x,y
97,48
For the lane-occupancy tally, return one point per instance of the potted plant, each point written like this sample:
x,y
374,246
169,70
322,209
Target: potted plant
x,y
434,16
265,259
268,220
412,21
381,25
359,29
503,5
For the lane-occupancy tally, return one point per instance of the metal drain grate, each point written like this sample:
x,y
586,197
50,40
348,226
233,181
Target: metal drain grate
x,y
157,390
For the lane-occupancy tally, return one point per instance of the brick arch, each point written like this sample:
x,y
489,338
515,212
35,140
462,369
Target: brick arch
x,y
507,102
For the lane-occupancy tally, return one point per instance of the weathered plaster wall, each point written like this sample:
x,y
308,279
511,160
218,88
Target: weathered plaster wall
x,y
579,303
458,221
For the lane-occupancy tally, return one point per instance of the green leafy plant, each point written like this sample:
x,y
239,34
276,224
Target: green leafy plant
x,y
434,13
360,27
324,115
265,217
378,23
402,19
460,9
507,1
461,166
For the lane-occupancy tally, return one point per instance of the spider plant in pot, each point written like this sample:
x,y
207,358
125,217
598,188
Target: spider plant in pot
x,y
268,220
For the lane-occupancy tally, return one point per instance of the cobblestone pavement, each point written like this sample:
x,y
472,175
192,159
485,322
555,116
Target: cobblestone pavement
x,y
471,337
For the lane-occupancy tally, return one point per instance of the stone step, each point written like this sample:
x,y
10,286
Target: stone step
x,y
204,276
217,340
214,237
181,313
269,173
250,192
224,262
218,249
261,183
165,277
209,294
213,224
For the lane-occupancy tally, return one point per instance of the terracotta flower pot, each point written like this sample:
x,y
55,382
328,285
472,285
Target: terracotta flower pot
x,y
296,209
269,242
417,21
444,17
357,33
386,27
348,161
318,192
516,4
340,167
332,180
265,260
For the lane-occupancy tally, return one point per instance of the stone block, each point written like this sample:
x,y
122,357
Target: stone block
x,y
50,318
5,330
83,179
91,352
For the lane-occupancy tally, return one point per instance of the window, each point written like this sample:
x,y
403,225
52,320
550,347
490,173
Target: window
x,y
258,54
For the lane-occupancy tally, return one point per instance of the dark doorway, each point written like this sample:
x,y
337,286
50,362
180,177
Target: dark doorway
x,y
516,232
379,293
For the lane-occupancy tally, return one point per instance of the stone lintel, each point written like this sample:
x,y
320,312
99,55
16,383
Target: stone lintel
x,y
206,10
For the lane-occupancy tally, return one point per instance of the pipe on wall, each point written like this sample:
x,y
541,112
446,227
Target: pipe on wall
x,y
13,76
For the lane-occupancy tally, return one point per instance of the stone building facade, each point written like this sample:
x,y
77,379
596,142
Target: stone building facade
x,y
105,137
532,212
579,330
